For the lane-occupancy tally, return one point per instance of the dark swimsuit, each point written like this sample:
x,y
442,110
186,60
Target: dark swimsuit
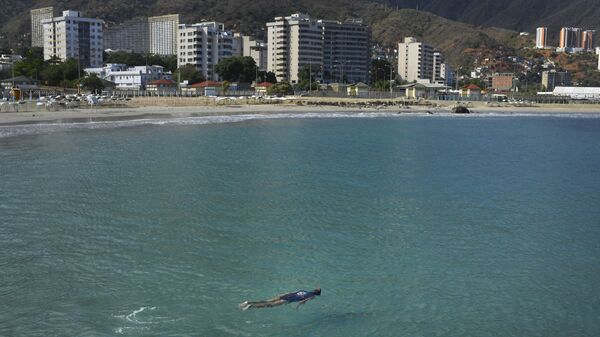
x,y
297,296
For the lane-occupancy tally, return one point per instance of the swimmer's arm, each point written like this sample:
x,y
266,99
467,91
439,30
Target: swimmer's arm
x,y
304,301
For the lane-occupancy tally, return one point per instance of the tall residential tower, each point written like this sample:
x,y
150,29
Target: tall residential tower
x,y
203,45
37,29
73,36
541,38
163,34
294,42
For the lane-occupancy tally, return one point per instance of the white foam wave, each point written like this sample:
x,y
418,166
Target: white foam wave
x,y
131,320
28,129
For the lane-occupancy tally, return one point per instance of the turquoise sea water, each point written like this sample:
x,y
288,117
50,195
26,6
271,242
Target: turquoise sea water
x,y
411,226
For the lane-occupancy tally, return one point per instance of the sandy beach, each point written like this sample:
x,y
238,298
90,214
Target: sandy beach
x,y
160,108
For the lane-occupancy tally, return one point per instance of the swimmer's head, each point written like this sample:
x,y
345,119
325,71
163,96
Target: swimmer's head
x,y
317,291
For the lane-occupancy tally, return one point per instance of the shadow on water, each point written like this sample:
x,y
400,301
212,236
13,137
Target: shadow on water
x,y
339,318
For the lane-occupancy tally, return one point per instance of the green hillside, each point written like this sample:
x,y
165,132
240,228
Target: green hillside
x,y
249,16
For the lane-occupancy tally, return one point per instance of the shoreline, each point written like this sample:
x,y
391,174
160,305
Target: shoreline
x,y
164,111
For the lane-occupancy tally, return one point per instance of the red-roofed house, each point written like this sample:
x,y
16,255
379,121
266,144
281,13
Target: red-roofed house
x,y
261,88
471,90
162,85
208,88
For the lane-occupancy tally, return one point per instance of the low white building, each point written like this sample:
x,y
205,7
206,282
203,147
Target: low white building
x,y
578,92
130,78
7,61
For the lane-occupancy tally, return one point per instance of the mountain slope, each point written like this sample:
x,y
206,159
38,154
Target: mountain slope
x,y
249,16
512,14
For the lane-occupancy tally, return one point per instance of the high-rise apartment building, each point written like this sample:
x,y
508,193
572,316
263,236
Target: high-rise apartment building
x,y
203,45
552,79
587,40
346,48
73,36
255,49
541,37
418,61
163,34
37,28
570,39
294,42
132,35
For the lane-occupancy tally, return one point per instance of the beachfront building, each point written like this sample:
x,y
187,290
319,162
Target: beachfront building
x,y
73,36
346,47
294,42
503,82
7,61
130,78
163,34
418,61
541,38
256,49
471,91
553,78
132,35
37,28
203,45
590,93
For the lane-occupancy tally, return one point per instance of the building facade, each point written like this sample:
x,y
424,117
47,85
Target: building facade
x,y
132,35
503,82
541,38
587,40
73,36
37,28
130,78
346,48
552,79
203,45
570,39
255,49
294,42
419,62
163,34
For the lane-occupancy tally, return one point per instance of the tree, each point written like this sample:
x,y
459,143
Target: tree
x,y
237,69
92,83
280,89
270,77
264,76
189,73
306,79
52,75
382,73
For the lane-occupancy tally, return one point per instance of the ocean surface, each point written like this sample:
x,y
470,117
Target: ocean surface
x,y
412,226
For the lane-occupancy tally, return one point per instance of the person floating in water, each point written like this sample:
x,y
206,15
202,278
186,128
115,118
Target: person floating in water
x,y
301,296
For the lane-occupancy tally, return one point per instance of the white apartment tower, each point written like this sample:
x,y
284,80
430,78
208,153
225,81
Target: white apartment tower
x,y
163,34
203,45
541,37
73,36
255,49
294,42
416,61
37,28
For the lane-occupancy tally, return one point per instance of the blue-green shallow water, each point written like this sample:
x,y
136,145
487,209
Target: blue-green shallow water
x,y
411,226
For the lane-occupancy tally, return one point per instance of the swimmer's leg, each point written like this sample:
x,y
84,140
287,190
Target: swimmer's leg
x,y
262,304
